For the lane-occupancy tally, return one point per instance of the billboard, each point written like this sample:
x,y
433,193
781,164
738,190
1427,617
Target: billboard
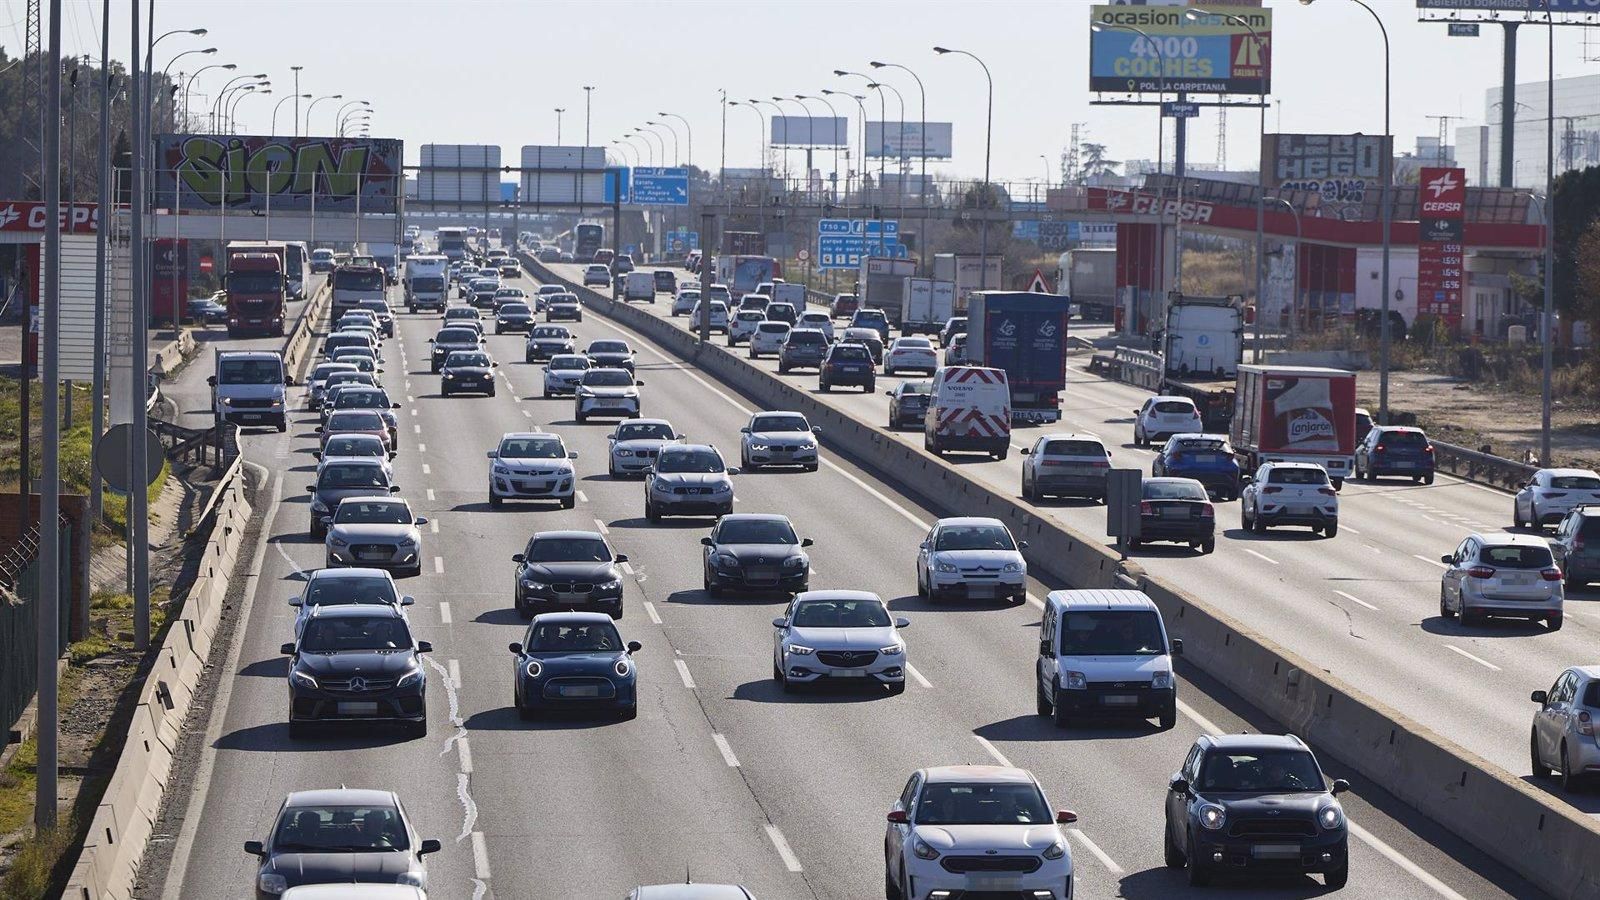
x,y
29,215
459,173
554,184
1227,51
907,140
209,172
1341,169
808,131
1441,220
1559,6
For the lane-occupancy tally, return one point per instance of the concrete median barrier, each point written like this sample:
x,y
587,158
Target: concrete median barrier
x,y
299,340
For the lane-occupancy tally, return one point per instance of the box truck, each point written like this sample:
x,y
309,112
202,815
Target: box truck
x,y
427,282
1296,414
882,284
926,304
969,272
1025,335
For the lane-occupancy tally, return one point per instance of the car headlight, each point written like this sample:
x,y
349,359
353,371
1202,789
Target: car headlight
x,y
303,679
338,542
411,677
271,883
227,401
414,879
1212,816
1161,681
1012,567
799,649
923,849
409,540
724,559
623,451
622,668
1056,850
448,376
758,447
501,470
585,392
944,567
1074,681
533,585
319,506
1331,817
611,585
892,650
795,562
533,668
808,445
661,487
721,488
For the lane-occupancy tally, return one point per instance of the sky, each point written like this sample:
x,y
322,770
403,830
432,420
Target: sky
x,y
493,72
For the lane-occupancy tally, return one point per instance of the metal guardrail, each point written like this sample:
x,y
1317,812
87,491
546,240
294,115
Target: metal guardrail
x,y
1475,465
1140,368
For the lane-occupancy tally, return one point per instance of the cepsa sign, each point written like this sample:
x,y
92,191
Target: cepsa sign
x,y
205,172
29,215
1222,50
1197,212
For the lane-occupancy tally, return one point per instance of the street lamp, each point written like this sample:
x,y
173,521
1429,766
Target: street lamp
x,y
338,114
988,140
354,115
645,129
165,71
1161,75
649,148
312,107
188,86
861,135
216,105
588,96
238,97
778,103
559,111
297,97
688,156
279,105
622,145
754,102
922,132
674,131
232,94
761,136
882,116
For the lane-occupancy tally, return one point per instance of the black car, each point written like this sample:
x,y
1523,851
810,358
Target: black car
x,y
908,402
1255,804
545,341
847,364
340,836
1395,450
549,255
778,311
357,665
567,570
368,477
754,552
574,660
1178,510
871,318
207,310
467,372
513,316
610,354
450,339
666,282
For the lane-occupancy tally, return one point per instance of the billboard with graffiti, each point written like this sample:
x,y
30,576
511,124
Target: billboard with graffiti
x,y
1342,170
209,172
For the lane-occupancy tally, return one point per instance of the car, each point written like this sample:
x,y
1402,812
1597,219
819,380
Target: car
x,y
1502,575
622,264
341,836
562,306
779,311
354,892
971,557
362,358
721,292
567,571
843,305
688,479
532,465
1207,458
373,398
768,337
908,402
206,310
374,531
1255,804
778,439
463,277
666,282
764,289
754,301
354,421
743,325
836,635
956,826
321,260
1177,510
952,326
683,302
546,341
865,337
381,311
1563,728
450,339
550,255
1289,493
337,340
504,295
567,257
596,273
345,587
574,660
563,373
509,267
1364,423
340,381
543,293
1395,450
803,348
513,316
463,315
635,443
1161,417
1549,494
340,481
955,350
495,254
357,665
871,318
847,364
606,392
317,381
340,447
610,354
754,552
467,372
1105,652
913,353
483,291
1576,547
718,316
1065,465
817,319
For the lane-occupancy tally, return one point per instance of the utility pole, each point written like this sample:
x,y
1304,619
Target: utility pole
x,y
48,566
138,515
98,392
1508,107
1440,155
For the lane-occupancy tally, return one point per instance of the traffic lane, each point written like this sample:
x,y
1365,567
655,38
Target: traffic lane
x,y
755,669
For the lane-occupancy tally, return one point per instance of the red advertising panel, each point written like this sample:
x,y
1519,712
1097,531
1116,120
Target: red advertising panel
x,y
169,278
29,215
1441,230
1308,412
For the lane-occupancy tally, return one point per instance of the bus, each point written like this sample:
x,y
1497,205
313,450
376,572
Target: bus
x,y
587,238
452,243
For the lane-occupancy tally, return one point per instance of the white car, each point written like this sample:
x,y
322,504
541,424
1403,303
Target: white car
x,y
1162,417
1289,493
913,353
719,317
778,439
996,817
971,557
845,636
563,372
1065,465
818,320
743,325
768,338
606,392
1550,494
380,532
544,292
635,444
532,465
684,301
346,447
955,352
596,274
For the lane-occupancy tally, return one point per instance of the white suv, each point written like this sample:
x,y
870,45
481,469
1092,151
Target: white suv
x,y
743,325
768,338
1162,417
1289,493
531,466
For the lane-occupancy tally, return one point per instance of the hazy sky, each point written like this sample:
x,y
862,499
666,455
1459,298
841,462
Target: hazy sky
x,y
484,71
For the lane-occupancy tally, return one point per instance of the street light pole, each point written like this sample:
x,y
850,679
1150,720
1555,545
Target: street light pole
x,y
861,137
297,96
785,138
1549,243
922,133
559,111
279,105
312,107
588,96
689,134
238,97
188,86
674,133
988,146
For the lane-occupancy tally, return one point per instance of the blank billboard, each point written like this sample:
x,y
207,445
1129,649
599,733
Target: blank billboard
x,y
459,173
561,178
907,140
808,131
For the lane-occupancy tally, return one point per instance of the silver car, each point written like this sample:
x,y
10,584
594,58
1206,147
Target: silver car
x,y
1563,735
606,392
971,557
688,480
1551,493
635,443
317,382
778,439
847,636
563,373
342,587
375,531
345,447
1502,575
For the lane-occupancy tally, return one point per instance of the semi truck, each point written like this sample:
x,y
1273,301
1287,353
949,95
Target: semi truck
x,y
257,295
1025,335
926,304
882,284
587,238
744,243
969,273
427,282
743,273
296,262
1296,414
247,388
1090,278
1201,347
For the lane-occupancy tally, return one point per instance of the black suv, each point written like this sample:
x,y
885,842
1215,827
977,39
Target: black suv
x,y
847,364
567,571
357,664
1255,804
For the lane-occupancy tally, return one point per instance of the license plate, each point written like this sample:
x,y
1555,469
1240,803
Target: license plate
x,y
373,554
1174,512
993,882
1405,465
1120,700
358,708
849,673
980,590
535,485
249,416
1275,851
1516,580
580,690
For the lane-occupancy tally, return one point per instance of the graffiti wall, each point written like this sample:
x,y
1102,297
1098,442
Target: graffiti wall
x,y
209,172
1343,170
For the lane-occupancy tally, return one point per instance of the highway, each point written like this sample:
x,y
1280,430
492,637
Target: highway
x,y
722,776
1364,605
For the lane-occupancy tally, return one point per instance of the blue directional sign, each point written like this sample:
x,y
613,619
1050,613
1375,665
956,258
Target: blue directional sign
x,y
614,177
888,227
660,186
1176,110
845,251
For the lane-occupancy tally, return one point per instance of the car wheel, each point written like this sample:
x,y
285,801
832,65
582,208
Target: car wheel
x,y
1445,612
1059,712
1208,545
1468,617
1170,853
891,890
1535,764
1516,515
569,502
1554,622
1027,490
1569,778
1256,525
1198,876
823,387
1168,719
1428,478
785,684
580,416
1041,703
1331,529
870,387
922,586
1336,879
298,731
629,713
650,513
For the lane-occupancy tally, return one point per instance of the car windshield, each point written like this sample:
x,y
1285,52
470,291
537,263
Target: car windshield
x,y
354,445
701,462
1200,446
607,378
573,637
547,332
352,475
519,309
607,347
333,634
756,531
467,360
563,298
1297,476
532,448
352,279
361,400
840,614
250,371
350,589
1173,490
1174,406
1516,557
1111,633
456,336
339,829
973,537
1403,439
645,431
360,512
1259,771
568,549
1073,448
981,804
354,420
1575,482
779,423
570,362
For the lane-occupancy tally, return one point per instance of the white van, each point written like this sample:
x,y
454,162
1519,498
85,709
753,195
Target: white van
x,y
1105,653
639,286
247,388
969,409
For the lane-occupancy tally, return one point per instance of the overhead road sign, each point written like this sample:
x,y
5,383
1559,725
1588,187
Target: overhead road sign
x,y
887,227
1463,29
845,251
1227,51
660,186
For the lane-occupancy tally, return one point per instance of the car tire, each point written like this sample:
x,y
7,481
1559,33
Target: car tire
x,y
1553,623
1041,703
1256,525
823,386
1570,780
1535,764
569,502
650,513
494,501
922,587
1170,854
1336,879
629,713
1198,876
784,684
870,387
1516,515
491,392
1331,529
580,416
811,468
1445,612
1207,546
1027,491
1468,617
1168,719
891,890
1059,714
524,713
1428,478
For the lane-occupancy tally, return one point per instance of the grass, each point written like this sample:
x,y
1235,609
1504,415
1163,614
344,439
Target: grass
x,y
32,872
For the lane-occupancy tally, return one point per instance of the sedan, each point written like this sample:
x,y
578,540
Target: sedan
x,y
847,636
574,660
207,310
610,354
913,353
778,439
972,557
352,586
450,339
1502,575
317,381
381,311
509,268
1177,510
688,479
865,337
563,373
1065,465
532,466
567,570
754,552
873,319
596,274
546,341
467,372
908,402
606,392
513,315
1551,493
544,292
340,836
635,444
464,315
340,447
373,398
562,306
340,481
375,531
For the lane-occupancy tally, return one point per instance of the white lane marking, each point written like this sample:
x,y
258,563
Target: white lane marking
x,y
444,618
480,855
454,668
790,861
1035,600
426,470
413,412
650,610
912,671
626,568
430,493
993,750
438,565
1429,560
582,497
1093,848
410,399
422,448
1477,659
726,750
1402,861
683,673
1356,600
905,513
278,545
433,525
1206,725
408,384
1261,556
1343,527
464,751
602,526
417,429
526,414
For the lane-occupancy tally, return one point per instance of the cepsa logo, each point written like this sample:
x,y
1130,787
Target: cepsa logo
x,y
1444,191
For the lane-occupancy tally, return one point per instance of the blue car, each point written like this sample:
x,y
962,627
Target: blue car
x,y
1207,458
574,661
1395,450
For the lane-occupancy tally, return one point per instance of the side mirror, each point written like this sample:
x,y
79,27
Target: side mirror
x,y
1022,545
316,454
902,622
296,601
816,429
891,394
430,845
492,454
780,622
287,649
621,558
255,848
494,365
1177,647
923,545
745,430
1340,786
288,380
1066,817
515,647
394,488
517,557
421,520
424,646
734,470
1247,479
1447,559
806,542
1178,785
318,429
327,520
635,646
898,817
1025,451
311,488
572,454
212,380
707,542
1539,697
394,406
638,384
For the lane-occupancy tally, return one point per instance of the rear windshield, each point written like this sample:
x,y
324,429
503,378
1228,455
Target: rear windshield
x,y
1174,406
1074,448
1200,445
916,387
1173,490
607,378
1575,482
1591,527
1405,439
772,327
913,344
807,337
849,351
353,475
1516,557
1111,633
1297,476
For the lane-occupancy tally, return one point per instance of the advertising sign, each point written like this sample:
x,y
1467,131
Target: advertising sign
x,y
660,186
1442,197
209,172
169,278
907,140
1228,50
808,131
1341,169
1559,6
1302,414
29,215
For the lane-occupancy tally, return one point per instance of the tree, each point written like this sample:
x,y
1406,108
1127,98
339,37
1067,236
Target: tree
x,y
1095,162
1586,285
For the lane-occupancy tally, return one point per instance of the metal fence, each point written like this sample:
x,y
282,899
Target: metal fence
x,y
19,618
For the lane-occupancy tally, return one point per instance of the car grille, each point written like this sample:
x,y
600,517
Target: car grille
x,y
963,864
369,685
849,659
1272,827
690,491
252,403
572,587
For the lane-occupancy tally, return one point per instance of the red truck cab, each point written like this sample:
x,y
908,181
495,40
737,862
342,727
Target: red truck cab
x,y
256,294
